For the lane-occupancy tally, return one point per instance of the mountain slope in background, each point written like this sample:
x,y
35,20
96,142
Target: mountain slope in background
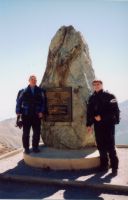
x,y
122,128
11,136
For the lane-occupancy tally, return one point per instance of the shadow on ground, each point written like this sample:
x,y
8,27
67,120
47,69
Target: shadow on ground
x,y
32,190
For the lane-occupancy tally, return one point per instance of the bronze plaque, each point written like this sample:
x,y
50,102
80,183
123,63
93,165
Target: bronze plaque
x,y
59,104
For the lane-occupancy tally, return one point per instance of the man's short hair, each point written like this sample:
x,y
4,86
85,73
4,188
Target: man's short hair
x,y
97,81
32,76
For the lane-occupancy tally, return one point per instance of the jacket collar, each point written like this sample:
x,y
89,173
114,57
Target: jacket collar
x,y
29,88
98,93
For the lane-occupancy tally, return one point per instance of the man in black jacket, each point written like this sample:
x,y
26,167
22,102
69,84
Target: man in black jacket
x,y
30,106
103,113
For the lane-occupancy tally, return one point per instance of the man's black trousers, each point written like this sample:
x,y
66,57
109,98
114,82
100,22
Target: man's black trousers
x,y
34,122
105,139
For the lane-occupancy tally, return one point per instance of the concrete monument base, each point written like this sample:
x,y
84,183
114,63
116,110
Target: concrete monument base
x,y
58,159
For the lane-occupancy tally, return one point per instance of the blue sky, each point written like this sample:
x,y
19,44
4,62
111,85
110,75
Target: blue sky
x,y
27,27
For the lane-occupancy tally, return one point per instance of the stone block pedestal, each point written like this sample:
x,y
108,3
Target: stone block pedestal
x,y
59,159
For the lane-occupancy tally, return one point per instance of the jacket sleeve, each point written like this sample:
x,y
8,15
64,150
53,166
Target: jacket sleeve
x,y
19,102
113,113
90,115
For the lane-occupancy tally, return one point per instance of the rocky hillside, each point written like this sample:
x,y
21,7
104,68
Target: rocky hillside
x,y
10,135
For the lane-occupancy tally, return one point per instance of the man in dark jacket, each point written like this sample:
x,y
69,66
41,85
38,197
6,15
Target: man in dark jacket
x,y
103,113
30,106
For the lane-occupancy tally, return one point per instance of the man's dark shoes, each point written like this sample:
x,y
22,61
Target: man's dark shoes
x,y
27,151
36,150
114,172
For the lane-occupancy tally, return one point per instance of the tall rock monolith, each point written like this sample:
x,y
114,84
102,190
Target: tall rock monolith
x,y
69,65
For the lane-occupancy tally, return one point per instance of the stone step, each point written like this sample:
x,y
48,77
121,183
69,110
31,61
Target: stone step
x,y
58,159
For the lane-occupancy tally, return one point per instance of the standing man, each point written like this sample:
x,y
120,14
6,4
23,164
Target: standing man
x,y
103,113
30,106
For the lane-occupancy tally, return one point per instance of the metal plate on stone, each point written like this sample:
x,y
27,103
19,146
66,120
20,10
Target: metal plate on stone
x,y
59,104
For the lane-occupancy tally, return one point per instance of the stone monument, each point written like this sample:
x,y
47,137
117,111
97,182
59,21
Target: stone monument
x,y
67,82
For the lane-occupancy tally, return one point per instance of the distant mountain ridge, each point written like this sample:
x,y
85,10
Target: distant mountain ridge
x,y
122,128
11,136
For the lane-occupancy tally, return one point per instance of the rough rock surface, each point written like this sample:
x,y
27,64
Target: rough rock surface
x,y
69,65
